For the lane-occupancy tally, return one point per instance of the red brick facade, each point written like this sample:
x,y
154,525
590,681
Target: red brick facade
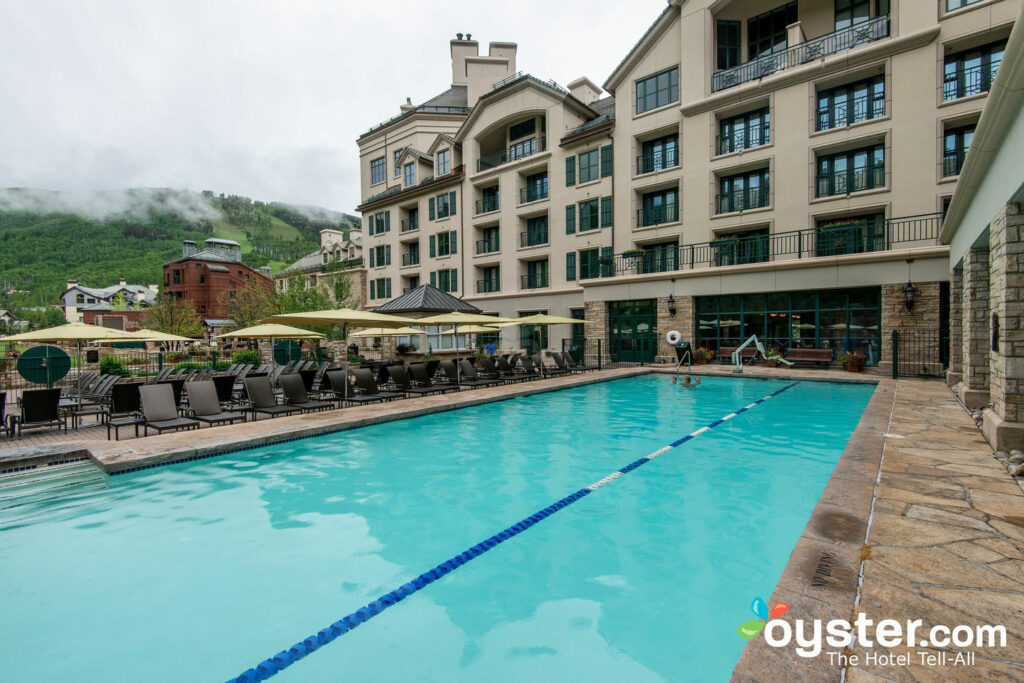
x,y
117,320
208,284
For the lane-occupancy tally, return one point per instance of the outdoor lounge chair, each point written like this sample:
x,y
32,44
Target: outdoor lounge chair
x,y
509,373
159,410
421,377
262,400
308,378
368,390
225,385
400,377
572,364
295,395
562,364
124,408
456,378
489,370
176,386
4,427
530,367
335,389
548,369
204,405
39,408
470,376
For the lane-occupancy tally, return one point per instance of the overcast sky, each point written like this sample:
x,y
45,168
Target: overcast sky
x,y
263,99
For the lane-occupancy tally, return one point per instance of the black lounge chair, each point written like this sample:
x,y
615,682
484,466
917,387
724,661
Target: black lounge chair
x,y
472,378
308,379
562,365
530,368
368,390
400,377
225,386
572,364
262,399
204,405
551,370
421,376
4,427
490,371
295,394
159,410
506,372
124,410
39,408
176,387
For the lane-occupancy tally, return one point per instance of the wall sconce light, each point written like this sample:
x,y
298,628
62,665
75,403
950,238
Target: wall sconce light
x,y
671,305
908,292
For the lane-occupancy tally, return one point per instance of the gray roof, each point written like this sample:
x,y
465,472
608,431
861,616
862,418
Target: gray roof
x,y
219,269
204,255
426,299
454,100
307,262
218,240
605,109
225,322
140,292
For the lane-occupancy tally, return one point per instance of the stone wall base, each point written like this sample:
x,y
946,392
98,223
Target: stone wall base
x,y
972,398
1001,434
953,378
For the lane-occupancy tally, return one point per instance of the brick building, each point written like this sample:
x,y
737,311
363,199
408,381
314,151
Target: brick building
x,y
209,277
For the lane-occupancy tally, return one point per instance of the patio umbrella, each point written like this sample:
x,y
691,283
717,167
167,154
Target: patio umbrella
x,y
72,332
455,318
344,317
271,332
384,332
155,336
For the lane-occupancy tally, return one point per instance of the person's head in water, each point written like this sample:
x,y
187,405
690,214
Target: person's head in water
x,y
686,380
696,381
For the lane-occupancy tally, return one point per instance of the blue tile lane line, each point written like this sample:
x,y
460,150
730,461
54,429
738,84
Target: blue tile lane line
x,y
286,658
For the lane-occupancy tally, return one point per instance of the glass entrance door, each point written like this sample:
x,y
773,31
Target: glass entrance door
x,y
633,331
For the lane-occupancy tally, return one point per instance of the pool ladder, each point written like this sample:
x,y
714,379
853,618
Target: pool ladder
x,y
21,492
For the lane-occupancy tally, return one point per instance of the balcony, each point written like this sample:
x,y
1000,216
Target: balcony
x,y
410,260
856,237
486,205
802,53
971,80
488,245
952,162
737,142
533,238
533,193
409,224
520,150
487,286
845,182
657,215
535,281
649,163
742,200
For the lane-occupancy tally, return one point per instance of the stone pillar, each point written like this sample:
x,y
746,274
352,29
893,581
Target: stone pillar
x,y
956,329
975,304
596,315
682,321
924,316
1004,422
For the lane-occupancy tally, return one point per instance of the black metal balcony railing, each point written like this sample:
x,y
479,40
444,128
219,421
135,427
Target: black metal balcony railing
x,y
845,182
656,161
409,224
533,193
487,246
742,200
520,150
815,48
971,80
487,204
533,238
952,162
851,111
410,259
834,240
657,215
740,140
487,286
535,281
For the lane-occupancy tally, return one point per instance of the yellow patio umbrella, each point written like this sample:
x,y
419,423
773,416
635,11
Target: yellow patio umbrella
x,y
72,332
456,318
386,332
270,331
543,319
473,329
155,336
344,317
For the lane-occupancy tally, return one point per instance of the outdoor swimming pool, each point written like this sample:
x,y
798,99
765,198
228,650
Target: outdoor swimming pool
x,y
202,570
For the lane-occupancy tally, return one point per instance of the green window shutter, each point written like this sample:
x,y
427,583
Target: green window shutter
x,y
387,221
387,286
387,256
606,262
570,219
570,171
570,266
455,280
606,161
433,278
451,202
373,289
430,208
433,246
606,212
454,241
374,249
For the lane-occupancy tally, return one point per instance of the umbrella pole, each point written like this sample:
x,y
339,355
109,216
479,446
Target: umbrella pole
x,y
79,346
455,336
344,332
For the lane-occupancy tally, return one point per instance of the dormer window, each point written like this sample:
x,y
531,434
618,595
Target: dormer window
x,y
410,174
326,255
444,162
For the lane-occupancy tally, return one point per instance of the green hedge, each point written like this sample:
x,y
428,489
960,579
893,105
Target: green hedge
x,y
112,365
249,356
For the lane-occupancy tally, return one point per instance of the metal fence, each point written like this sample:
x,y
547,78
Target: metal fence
x,y
918,353
584,351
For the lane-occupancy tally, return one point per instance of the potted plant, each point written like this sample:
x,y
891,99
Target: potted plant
x,y
703,354
772,358
852,362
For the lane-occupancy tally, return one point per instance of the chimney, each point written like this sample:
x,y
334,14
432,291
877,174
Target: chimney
x,y
123,282
266,272
154,288
72,283
461,49
407,106
189,248
584,90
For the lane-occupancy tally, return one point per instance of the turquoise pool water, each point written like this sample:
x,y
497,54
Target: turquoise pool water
x,y
201,570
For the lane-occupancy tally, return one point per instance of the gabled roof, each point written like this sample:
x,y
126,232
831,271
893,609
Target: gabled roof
x,y
415,154
441,138
605,108
649,36
454,100
426,299
140,292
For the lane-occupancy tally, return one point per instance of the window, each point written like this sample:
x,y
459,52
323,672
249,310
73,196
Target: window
x,y
446,280
743,191
378,167
491,281
412,256
728,44
954,149
590,263
380,256
850,235
412,222
971,72
570,266
606,161
536,188
766,33
176,275
522,129
414,281
490,242
577,328
398,168
536,232
852,103
570,171
748,130
536,275
80,298
488,200
533,338
380,223
750,246
659,207
447,243
588,166
659,258
957,4
589,215
410,174
438,341
380,288
658,154
657,91
852,12
606,212
860,169
442,206
444,162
